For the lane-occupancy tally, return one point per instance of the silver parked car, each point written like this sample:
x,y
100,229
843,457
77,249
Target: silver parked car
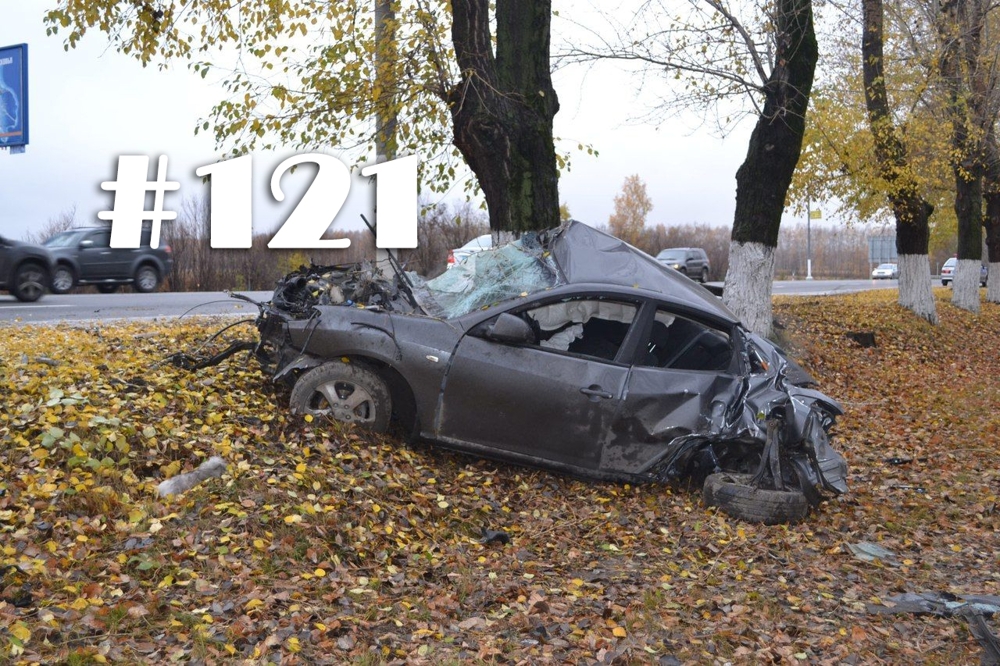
x,y
948,272
886,272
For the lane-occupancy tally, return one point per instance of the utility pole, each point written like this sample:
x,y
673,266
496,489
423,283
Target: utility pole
x,y
385,103
809,245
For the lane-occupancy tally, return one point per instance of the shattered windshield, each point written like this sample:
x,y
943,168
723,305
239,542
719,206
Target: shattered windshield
x,y
488,277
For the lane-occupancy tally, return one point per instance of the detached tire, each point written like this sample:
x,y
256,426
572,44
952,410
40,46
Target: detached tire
x,y
733,494
346,392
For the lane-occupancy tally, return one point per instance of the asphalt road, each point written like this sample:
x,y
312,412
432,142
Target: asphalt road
x,y
829,287
126,305
168,305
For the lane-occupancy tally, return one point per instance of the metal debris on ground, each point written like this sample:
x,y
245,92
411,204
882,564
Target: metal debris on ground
x,y
870,552
973,608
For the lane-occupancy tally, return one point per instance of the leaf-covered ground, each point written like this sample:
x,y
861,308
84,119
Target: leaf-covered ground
x,y
326,546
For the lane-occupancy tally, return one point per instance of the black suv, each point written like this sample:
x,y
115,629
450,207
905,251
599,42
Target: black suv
x,y
692,261
85,256
25,269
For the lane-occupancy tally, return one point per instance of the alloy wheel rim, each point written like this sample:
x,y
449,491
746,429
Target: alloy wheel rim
x,y
344,401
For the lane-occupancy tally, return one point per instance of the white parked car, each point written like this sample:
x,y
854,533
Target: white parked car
x,y
886,272
948,272
475,245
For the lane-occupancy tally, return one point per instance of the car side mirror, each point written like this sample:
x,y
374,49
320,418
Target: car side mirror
x,y
84,244
511,329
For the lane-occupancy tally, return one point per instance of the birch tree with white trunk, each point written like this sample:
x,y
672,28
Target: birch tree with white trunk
x,y
743,59
910,209
970,75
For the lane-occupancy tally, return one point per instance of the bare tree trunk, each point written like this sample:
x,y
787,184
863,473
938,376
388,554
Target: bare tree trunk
x,y
911,211
959,28
969,211
502,110
991,193
772,155
993,247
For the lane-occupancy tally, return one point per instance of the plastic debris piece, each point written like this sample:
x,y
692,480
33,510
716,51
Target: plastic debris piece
x,y
870,552
214,466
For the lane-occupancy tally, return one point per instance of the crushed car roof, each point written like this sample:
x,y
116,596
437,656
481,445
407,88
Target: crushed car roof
x,y
587,255
574,253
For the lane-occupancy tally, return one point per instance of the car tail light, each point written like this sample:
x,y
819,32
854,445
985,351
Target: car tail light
x,y
166,248
451,257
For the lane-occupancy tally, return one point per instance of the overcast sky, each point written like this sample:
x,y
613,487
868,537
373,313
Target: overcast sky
x,y
90,105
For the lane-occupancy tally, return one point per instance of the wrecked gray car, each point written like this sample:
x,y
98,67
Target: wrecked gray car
x,y
568,350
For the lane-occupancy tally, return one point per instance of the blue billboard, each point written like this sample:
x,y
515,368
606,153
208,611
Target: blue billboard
x,y
14,95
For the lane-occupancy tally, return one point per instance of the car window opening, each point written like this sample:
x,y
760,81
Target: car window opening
x,y
594,328
678,343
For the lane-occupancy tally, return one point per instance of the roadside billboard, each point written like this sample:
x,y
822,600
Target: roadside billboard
x,y
882,250
14,96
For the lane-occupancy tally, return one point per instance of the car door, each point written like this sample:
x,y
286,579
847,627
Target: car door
x,y
684,380
551,400
695,263
94,255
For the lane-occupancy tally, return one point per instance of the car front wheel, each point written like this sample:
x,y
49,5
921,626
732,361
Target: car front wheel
x,y
346,392
62,280
146,279
704,275
29,282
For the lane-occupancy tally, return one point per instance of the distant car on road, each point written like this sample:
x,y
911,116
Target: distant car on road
x,y
886,272
948,272
691,261
25,269
84,256
478,244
